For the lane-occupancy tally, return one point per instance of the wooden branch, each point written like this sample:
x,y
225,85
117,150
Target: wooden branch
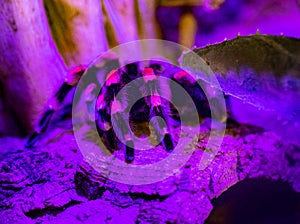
x,y
78,29
30,66
146,20
120,21
209,4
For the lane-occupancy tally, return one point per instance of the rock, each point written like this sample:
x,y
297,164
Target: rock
x,y
53,184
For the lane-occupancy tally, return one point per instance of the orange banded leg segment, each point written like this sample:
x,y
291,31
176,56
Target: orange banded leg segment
x,y
70,82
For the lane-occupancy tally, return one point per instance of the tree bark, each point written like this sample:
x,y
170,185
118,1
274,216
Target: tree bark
x,y
146,20
120,17
78,29
129,20
30,66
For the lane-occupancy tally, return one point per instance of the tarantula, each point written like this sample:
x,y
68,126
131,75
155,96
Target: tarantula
x,y
142,111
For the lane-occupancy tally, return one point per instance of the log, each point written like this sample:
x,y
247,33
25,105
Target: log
x,y
53,184
146,20
30,66
129,20
120,21
78,29
208,4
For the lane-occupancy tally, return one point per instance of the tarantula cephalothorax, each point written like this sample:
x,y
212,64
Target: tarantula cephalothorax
x,y
143,110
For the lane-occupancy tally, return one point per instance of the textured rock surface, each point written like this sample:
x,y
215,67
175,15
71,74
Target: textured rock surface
x,y
258,73
257,69
52,183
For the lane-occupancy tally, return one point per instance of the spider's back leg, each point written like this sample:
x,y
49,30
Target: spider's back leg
x,y
70,82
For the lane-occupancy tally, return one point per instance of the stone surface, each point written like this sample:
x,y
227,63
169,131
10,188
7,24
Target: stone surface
x,y
53,184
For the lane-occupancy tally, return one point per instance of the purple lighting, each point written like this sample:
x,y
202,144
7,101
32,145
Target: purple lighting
x,y
108,114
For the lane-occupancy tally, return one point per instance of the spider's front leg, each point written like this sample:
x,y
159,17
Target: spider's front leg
x,y
158,106
104,127
130,72
123,130
105,113
70,82
159,110
103,108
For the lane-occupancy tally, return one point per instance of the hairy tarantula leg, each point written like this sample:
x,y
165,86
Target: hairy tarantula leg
x,y
123,131
112,87
70,82
110,137
167,141
129,151
42,126
104,100
157,108
105,128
